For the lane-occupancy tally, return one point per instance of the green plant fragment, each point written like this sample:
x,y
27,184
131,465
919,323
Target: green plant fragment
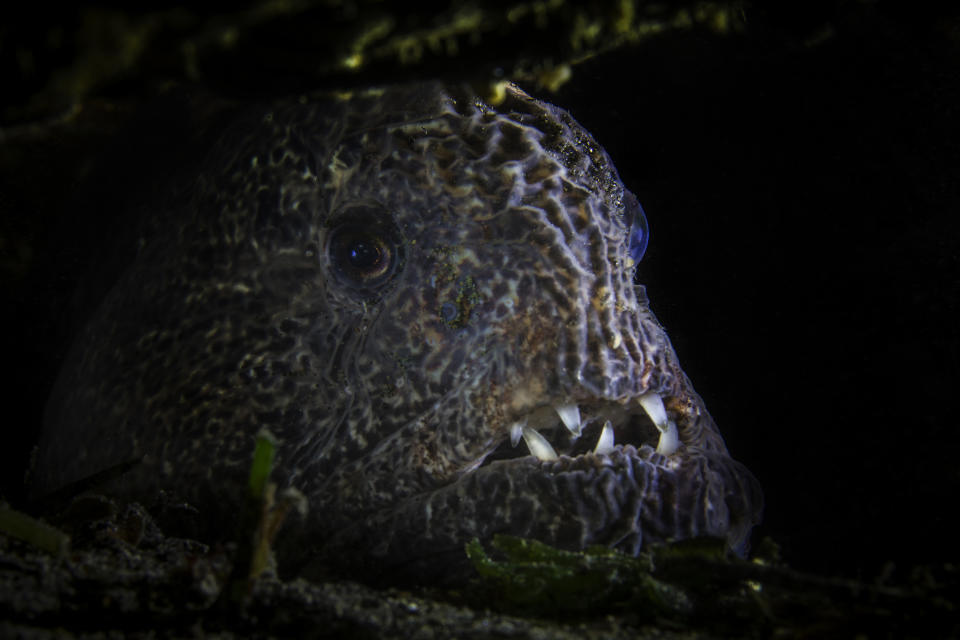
x,y
536,577
263,456
39,534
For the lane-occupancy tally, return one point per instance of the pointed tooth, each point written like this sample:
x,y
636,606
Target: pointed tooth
x,y
653,405
516,430
605,442
669,439
538,445
570,415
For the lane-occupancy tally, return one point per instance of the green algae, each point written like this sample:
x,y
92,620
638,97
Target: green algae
x,y
535,577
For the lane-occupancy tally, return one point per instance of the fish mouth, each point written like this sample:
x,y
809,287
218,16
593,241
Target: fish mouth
x,y
595,428
616,472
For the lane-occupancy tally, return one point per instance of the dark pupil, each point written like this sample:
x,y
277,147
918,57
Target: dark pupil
x,y
363,255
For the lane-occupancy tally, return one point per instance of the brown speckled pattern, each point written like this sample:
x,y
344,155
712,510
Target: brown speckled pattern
x,y
510,289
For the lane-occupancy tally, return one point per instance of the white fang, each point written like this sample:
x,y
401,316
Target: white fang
x,y
669,440
653,405
570,415
516,430
538,445
605,442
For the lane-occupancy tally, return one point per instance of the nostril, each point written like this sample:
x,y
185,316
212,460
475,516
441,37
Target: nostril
x,y
448,311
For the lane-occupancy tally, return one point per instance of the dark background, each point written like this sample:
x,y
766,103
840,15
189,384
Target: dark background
x,y
804,252
805,240
801,180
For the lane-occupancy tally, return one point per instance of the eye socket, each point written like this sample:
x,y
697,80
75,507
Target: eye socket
x,y
364,250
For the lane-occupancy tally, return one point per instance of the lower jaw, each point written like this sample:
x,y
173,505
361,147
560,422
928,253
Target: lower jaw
x,y
625,499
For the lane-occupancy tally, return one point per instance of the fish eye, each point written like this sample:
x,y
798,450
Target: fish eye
x,y
364,249
364,256
639,230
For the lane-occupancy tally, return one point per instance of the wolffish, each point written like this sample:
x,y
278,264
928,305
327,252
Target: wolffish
x,y
401,284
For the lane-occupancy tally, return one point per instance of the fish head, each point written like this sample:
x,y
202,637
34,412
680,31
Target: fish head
x,y
401,285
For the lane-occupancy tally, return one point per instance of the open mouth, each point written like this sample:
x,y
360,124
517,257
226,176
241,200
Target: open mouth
x,y
590,428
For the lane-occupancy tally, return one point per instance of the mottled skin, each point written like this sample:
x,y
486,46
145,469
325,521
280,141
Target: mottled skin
x,y
503,285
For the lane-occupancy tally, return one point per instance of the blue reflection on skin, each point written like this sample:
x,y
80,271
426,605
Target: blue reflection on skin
x,y
639,230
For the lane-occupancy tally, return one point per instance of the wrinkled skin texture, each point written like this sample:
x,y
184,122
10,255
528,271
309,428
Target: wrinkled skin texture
x,y
388,281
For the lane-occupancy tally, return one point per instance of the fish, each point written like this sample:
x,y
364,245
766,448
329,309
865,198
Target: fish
x,y
432,301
